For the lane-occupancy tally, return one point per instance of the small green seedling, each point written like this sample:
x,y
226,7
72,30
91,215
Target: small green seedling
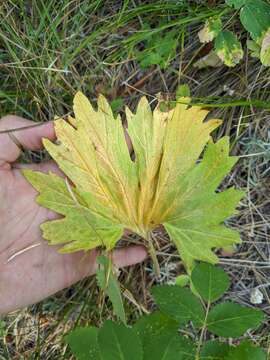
x,y
164,334
159,50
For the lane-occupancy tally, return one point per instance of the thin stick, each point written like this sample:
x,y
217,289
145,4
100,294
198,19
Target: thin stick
x,y
152,253
202,332
21,252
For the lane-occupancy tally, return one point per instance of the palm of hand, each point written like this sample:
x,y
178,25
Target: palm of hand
x,y
28,263
30,270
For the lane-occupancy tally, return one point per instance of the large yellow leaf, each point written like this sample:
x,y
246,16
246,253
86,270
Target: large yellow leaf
x,y
106,191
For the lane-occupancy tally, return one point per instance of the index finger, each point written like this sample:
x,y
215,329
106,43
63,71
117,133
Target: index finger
x,y
28,133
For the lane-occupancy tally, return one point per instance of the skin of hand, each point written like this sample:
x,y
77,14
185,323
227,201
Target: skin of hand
x,y
30,270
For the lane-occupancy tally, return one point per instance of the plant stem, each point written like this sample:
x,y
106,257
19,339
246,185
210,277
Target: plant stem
x,y
202,332
152,253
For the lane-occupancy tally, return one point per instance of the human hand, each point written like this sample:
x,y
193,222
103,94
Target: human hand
x,y
30,270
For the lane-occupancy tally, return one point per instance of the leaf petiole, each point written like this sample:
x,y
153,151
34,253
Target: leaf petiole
x,y
152,253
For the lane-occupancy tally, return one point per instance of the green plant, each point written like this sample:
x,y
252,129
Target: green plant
x,y
2,328
159,50
107,192
164,333
255,18
107,282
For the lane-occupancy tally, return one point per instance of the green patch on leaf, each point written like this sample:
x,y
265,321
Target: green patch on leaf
x,y
228,48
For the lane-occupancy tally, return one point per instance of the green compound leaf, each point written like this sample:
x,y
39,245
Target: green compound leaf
x,y
214,350
265,49
83,343
105,191
255,17
246,351
116,341
237,4
228,48
211,29
179,303
233,320
107,281
210,281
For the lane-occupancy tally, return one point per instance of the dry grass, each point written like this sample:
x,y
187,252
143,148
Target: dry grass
x,y
37,332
